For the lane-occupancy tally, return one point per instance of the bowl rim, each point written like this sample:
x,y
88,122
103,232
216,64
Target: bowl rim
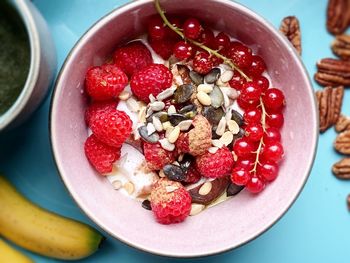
x,y
17,107
96,26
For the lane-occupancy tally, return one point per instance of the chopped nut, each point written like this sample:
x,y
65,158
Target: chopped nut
x,y
338,16
341,169
196,209
171,109
161,173
168,131
124,95
132,104
342,142
341,46
117,184
203,98
151,98
291,29
206,88
166,125
129,187
343,123
142,114
205,188
174,134
333,72
230,92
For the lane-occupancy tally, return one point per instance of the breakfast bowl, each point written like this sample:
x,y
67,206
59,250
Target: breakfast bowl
x,y
36,57
228,224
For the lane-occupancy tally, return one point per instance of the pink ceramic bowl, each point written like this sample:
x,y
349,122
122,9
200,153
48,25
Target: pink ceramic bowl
x,y
222,227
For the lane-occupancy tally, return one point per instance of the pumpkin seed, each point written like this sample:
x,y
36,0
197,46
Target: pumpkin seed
x,y
212,76
174,172
217,98
196,77
237,117
213,115
176,118
146,204
143,131
183,93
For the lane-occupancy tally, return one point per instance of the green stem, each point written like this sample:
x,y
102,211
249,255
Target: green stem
x,y
198,44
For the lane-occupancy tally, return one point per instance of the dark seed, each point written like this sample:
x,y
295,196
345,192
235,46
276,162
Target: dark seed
x,y
161,115
233,189
183,93
212,76
186,162
146,204
176,118
188,108
196,78
174,172
217,98
213,133
213,115
184,73
153,138
237,117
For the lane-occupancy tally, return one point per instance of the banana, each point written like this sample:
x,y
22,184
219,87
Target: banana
x,y
9,254
42,231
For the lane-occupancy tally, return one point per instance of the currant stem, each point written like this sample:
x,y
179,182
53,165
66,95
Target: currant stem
x,y
261,143
198,44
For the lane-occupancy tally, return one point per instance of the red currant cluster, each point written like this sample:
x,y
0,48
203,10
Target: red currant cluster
x,y
260,149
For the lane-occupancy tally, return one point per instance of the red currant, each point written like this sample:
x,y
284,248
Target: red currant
x,y
175,21
257,67
275,119
216,61
255,185
240,176
272,134
263,82
245,105
182,50
245,163
252,116
243,147
192,28
251,92
268,171
240,55
206,37
202,63
273,99
254,132
237,81
272,151
222,41
156,28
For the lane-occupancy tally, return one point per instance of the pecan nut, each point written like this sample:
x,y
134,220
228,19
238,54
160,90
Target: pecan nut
x,y
291,29
343,123
329,106
341,46
338,16
342,142
341,169
333,72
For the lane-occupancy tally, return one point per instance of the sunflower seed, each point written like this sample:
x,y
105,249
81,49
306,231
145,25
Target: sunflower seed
x,y
168,131
204,98
151,98
166,93
206,88
132,104
213,150
226,76
233,126
196,78
150,128
212,76
226,101
149,112
129,187
226,138
166,125
157,105
183,93
196,209
117,184
157,124
221,126
171,109
143,131
166,145
185,125
217,143
217,98
124,95
142,114
174,172
205,188
174,134
176,118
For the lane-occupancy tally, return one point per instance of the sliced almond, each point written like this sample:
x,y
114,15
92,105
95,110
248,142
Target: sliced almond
x,y
196,209
221,127
124,95
132,104
151,98
204,98
166,145
174,134
142,114
226,138
129,187
217,143
205,189
233,126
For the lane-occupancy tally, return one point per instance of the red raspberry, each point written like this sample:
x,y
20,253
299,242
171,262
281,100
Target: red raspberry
x,y
215,165
100,155
182,143
156,157
192,175
202,62
132,57
105,82
170,206
97,106
153,79
163,47
111,126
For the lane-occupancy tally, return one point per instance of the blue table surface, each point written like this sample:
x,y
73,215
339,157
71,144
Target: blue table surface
x,y
313,230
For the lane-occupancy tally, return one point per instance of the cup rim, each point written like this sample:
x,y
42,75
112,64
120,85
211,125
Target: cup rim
x,y
34,66
82,40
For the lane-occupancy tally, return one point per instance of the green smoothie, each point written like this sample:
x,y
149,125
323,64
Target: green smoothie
x,y
14,56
